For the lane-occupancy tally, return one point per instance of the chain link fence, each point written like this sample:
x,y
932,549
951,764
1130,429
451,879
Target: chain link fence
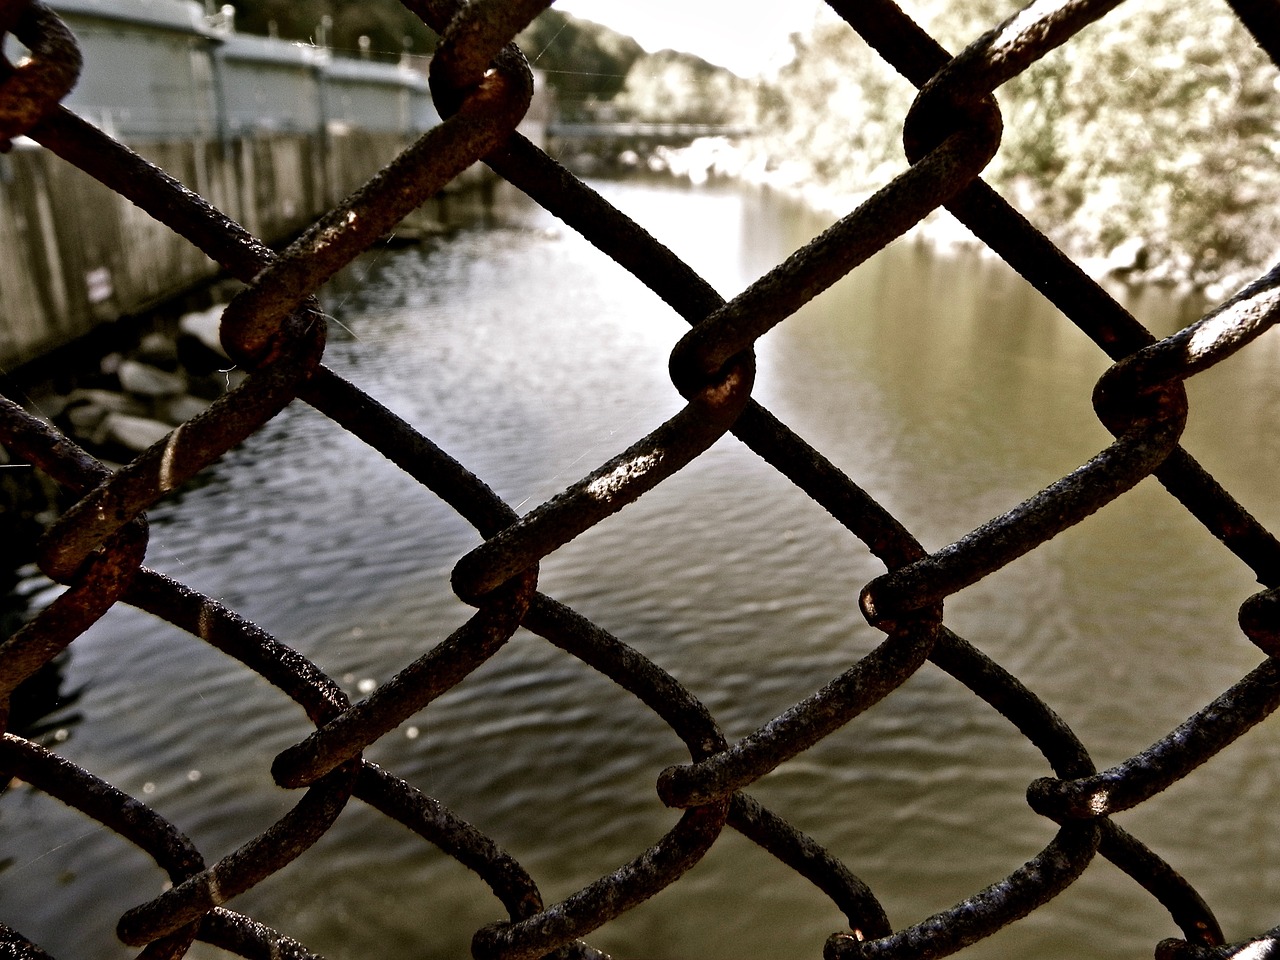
x,y
275,330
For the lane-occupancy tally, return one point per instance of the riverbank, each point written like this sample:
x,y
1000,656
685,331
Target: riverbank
x,y
126,383
1131,262
114,392
724,160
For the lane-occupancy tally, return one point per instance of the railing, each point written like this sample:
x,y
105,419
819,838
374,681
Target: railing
x,y
275,329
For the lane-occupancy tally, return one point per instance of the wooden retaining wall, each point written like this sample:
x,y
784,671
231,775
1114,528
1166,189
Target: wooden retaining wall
x,y
74,255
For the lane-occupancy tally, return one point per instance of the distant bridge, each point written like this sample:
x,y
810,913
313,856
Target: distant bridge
x,y
651,132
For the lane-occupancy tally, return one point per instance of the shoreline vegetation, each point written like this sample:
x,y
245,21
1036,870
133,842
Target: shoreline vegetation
x,y
1146,148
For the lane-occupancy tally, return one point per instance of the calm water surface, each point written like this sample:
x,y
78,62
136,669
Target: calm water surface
x,y
937,381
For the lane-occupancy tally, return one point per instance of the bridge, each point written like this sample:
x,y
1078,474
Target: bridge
x,y
653,133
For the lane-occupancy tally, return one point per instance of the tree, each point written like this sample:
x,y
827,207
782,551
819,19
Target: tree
x,y
390,27
833,116
675,87
1159,136
584,62
1153,131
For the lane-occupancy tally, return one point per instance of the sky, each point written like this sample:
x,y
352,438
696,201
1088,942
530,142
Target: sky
x,y
744,35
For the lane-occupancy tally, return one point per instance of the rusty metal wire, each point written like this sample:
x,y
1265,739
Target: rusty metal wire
x,y
482,85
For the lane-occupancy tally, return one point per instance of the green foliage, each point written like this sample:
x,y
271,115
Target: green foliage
x,y
1153,132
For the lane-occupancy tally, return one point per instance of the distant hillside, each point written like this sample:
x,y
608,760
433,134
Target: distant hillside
x,y
584,62
675,87
589,65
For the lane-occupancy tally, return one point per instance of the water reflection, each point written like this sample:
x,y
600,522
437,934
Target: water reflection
x,y
940,383
42,707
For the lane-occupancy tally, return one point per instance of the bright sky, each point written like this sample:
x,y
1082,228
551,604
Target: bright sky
x,y
744,35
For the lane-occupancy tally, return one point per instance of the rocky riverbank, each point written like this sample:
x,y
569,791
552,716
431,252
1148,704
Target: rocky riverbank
x,y
154,378
155,374
140,392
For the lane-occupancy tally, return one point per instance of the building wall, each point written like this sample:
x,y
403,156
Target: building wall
x,y
271,133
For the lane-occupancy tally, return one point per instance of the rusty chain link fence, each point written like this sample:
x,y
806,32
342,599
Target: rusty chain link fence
x,y
274,328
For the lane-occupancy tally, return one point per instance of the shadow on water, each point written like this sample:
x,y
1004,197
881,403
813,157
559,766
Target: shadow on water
x,y
38,708
42,708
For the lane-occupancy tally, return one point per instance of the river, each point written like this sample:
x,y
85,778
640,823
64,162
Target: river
x,y
937,380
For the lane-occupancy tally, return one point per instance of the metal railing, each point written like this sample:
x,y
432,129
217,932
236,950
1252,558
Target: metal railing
x,y
274,328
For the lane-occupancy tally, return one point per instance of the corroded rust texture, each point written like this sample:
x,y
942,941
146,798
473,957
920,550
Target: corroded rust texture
x,y
274,329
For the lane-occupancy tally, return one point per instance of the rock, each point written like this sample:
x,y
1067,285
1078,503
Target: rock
x,y
180,409
197,359
45,401
148,381
106,399
158,350
84,420
199,349
203,326
110,363
85,412
133,433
